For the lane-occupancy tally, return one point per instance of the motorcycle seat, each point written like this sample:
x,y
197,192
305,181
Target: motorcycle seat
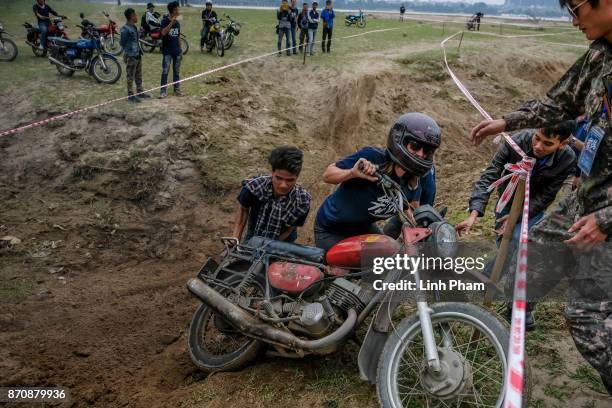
x,y
64,42
282,248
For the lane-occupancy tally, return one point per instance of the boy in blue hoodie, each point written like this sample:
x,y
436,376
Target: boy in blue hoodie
x,y
327,16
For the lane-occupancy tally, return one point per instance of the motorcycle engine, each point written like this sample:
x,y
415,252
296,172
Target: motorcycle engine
x,y
79,63
347,295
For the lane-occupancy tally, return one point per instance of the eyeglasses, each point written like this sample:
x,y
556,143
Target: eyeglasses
x,y
418,146
573,11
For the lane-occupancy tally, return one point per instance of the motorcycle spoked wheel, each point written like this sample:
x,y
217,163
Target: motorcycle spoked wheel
x,y
112,45
145,44
361,23
111,74
228,41
8,50
402,373
347,23
184,45
214,345
220,46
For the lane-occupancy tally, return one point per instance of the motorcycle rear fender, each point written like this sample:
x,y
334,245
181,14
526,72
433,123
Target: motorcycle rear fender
x,y
377,335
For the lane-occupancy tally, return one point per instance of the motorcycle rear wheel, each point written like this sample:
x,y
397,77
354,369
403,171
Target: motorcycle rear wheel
x,y
112,46
399,385
111,74
145,44
8,50
228,41
208,344
184,45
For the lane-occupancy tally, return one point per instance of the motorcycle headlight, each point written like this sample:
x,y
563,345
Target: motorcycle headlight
x,y
444,238
216,26
60,26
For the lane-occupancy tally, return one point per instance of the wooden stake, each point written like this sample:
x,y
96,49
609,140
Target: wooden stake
x,y
460,41
515,213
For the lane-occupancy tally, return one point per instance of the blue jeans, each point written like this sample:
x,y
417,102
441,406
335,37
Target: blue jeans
x,y
284,32
312,35
176,68
43,26
516,236
294,39
204,35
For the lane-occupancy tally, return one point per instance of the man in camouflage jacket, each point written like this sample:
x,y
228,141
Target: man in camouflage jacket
x,y
583,219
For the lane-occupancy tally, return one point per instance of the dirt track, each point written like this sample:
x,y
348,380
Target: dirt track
x,y
117,209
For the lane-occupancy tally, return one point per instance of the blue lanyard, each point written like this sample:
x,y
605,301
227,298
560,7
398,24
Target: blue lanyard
x,y
604,111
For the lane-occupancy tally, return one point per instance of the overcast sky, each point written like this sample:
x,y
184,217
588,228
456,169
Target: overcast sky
x,y
474,1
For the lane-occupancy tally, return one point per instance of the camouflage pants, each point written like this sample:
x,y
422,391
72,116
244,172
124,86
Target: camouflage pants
x,y
589,309
133,72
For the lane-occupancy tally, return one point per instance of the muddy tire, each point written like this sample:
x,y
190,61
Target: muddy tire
x,y
112,45
210,346
404,342
220,46
228,41
108,75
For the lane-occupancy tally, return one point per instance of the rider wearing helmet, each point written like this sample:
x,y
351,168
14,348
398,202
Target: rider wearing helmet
x,y
150,21
208,17
358,203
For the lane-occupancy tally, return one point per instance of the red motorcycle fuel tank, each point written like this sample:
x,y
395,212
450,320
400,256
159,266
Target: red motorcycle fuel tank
x,y
348,253
291,277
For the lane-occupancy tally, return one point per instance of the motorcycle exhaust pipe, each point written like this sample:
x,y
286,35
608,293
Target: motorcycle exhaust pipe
x,y
61,64
31,44
253,327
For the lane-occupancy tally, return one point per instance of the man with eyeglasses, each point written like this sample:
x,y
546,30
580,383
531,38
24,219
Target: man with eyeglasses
x,y
578,232
359,203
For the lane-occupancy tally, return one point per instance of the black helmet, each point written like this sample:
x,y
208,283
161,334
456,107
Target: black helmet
x,y
150,5
420,129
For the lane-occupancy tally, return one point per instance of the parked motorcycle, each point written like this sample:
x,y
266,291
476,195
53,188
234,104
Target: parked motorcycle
x,y
230,32
295,300
56,29
8,48
108,32
153,39
356,19
215,38
85,54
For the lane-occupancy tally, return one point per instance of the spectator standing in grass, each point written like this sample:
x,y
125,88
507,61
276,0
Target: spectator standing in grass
x,y
132,56
313,25
327,15
302,21
283,15
171,49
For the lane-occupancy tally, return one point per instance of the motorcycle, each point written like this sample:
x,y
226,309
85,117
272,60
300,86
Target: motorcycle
x,y
148,41
215,38
56,29
108,33
8,48
357,19
292,301
85,54
230,32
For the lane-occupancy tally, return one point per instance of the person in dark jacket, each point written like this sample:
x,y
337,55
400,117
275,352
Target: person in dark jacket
x,y
171,49
302,21
293,14
327,15
283,15
209,16
402,12
132,56
555,162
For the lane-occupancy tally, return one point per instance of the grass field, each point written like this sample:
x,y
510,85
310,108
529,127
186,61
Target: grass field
x,y
39,81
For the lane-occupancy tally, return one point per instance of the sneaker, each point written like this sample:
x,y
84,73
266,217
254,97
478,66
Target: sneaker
x,y
133,99
295,52
178,93
40,47
143,96
163,95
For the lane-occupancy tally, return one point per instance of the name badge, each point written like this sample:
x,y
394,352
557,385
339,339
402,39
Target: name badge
x,y
591,146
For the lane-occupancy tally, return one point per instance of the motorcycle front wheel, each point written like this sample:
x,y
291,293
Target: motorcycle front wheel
x,y
112,45
474,363
108,75
184,45
220,46
228,41
214,345
361,23
8,50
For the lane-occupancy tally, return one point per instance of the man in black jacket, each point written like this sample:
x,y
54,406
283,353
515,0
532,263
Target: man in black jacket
x,y
555,161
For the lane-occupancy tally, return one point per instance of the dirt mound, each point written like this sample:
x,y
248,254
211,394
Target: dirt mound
x,y
116,210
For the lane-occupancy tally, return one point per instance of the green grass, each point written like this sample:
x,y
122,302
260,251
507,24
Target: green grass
x,y
15,290
46,90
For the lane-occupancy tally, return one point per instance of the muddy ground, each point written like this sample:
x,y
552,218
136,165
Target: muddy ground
x,y
116,209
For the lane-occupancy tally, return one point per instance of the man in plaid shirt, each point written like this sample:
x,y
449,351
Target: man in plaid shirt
x,y
274,206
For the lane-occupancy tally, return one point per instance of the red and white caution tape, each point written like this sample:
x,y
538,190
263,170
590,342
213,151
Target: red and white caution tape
x,y
189,78
515,379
